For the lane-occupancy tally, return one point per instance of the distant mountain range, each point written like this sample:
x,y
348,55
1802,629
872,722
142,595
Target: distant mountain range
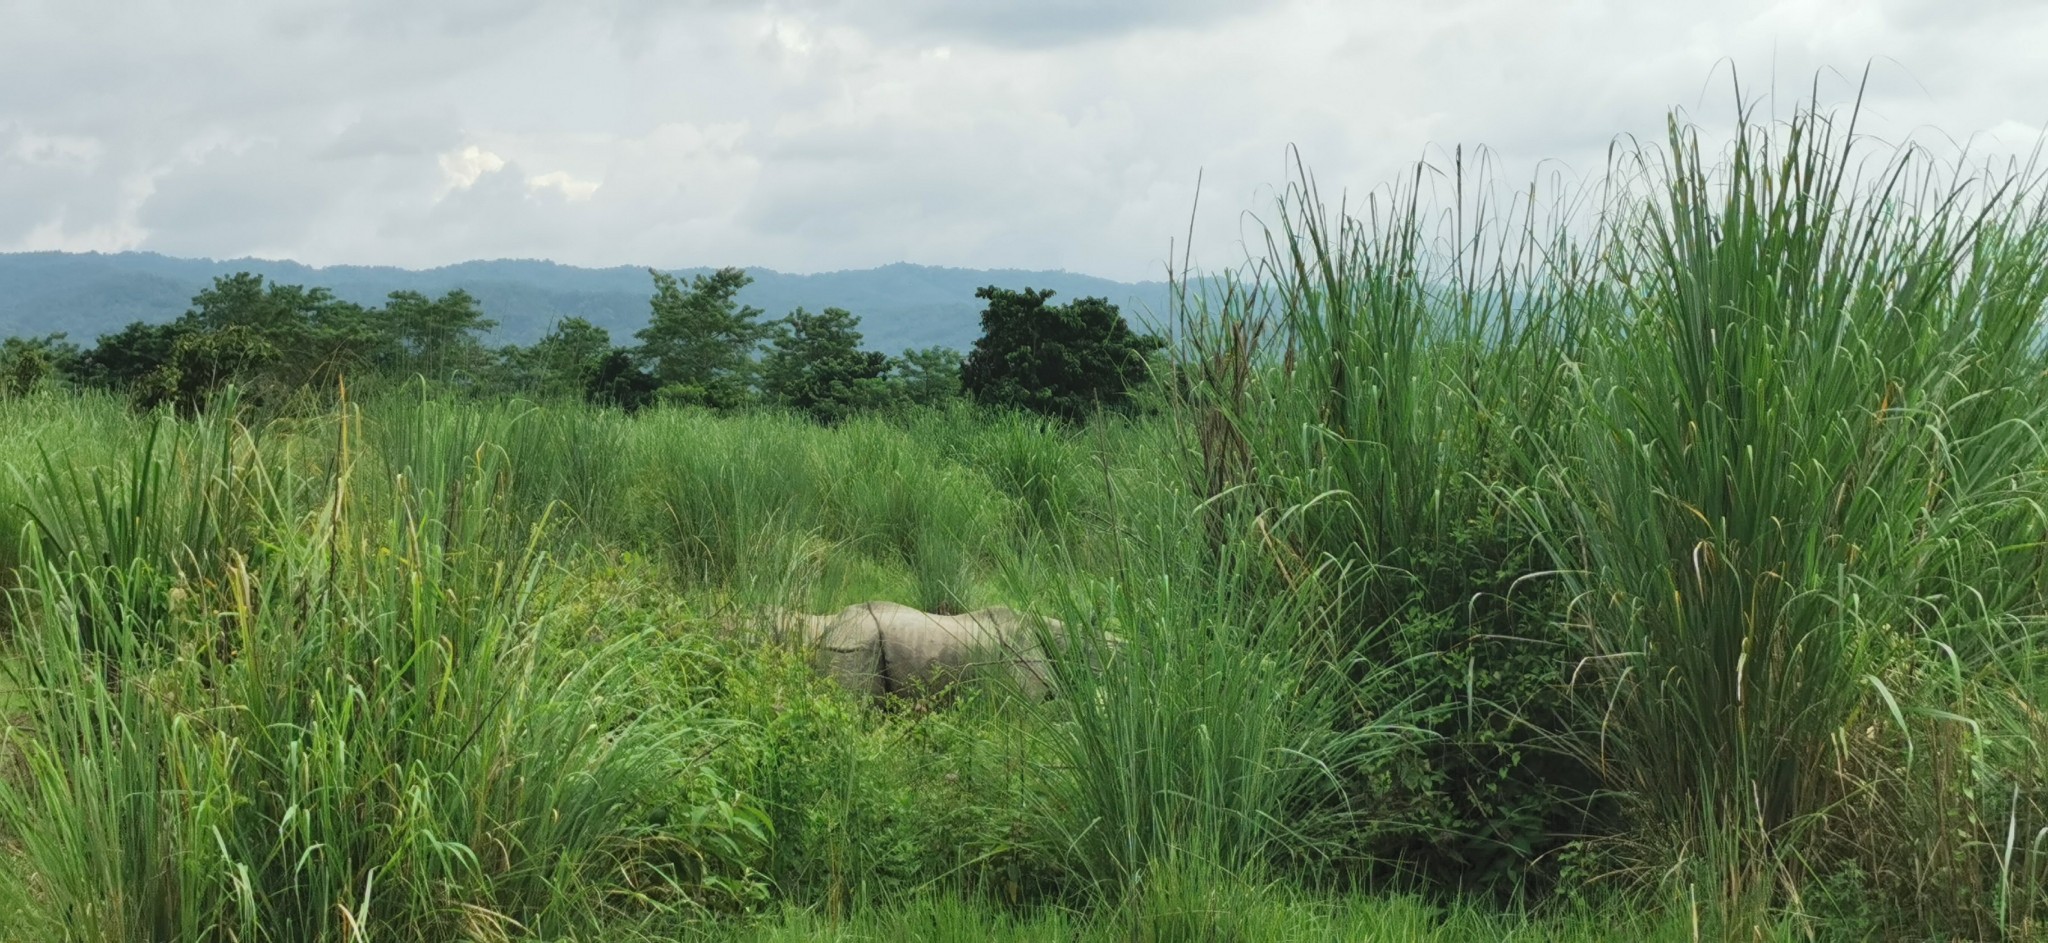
x,y
88,294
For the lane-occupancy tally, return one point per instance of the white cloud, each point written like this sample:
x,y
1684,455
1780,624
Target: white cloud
x,y
569,187
789,36
54,150
461,169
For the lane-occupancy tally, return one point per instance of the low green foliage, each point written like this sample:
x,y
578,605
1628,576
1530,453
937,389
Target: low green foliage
x,y
1192,905
28,364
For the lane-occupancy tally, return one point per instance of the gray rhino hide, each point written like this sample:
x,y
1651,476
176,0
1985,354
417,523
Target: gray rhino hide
x,y
880,648
842,648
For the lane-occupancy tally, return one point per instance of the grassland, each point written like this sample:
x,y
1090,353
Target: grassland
x,y
1669,564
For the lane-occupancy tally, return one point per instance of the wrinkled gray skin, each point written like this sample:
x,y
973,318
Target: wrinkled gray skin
x,y
882,648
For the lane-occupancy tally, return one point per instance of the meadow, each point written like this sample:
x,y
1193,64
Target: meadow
x,y
1666,560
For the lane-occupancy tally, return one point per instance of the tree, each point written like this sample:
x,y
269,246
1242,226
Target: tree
x,y
346,340
700,342
927,376
27,363
275,312
201,364
1058,360
438,337
560,364
121,360
310,333
815,365
570,355
620,382
284,337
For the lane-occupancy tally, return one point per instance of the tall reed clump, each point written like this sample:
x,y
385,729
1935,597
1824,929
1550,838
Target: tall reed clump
x,y
568,461
37,431
732,503
895,498
168,519
358,731
1808,443
1057,476
1357,397
1202,724
565,458
764,505
1046,468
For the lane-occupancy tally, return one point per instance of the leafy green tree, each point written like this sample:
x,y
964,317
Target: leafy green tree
x,y
700,341
267,337
275,312
202,363
285,336
926,376
347,340
1057,360
438,337
275,338
620,382
304,327
570,355
28,363
559,365
121,360
24,372
815,366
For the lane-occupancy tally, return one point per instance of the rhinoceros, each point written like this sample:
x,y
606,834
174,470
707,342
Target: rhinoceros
x,y
884,648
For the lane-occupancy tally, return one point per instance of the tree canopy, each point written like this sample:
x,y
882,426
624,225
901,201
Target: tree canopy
x,y
1057,360
280,339
563,363
699,342
284,343
439,338
815,365
927,376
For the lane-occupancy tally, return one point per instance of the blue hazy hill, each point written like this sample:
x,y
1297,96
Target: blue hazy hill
x,y
901,305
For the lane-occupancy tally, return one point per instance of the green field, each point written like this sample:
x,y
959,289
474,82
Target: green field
x,y
1668,563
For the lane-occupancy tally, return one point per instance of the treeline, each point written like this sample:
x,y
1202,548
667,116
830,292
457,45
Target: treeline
x,y
281,345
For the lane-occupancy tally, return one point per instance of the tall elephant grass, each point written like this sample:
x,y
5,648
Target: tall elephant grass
x,y
363,731
171,516
1357,396
1193,906
561,459
775,509
1202,723
1745,446
1810,439
80,431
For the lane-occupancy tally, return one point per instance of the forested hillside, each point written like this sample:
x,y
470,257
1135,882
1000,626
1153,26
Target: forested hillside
x,y
901,306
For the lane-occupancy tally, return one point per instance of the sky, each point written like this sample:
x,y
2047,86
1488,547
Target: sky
x,y
817,135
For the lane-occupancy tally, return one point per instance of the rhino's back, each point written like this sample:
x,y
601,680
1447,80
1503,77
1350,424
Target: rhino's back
x,y
848,647
882,647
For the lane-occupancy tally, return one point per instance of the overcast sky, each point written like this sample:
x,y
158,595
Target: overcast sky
x,y
811,135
